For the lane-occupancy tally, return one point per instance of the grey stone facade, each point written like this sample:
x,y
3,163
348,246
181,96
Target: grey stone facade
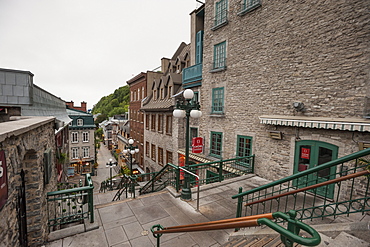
x,y
314,52
24,142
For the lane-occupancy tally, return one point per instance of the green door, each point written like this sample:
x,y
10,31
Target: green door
x,y
309,154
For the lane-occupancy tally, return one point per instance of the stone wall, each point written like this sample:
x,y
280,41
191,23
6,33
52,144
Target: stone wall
x,y
24,149
315,52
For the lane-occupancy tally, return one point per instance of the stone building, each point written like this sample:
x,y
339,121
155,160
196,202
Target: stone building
x,y
161,134
27,146
287,81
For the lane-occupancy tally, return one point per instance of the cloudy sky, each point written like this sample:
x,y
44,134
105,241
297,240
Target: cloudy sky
x,y
82,50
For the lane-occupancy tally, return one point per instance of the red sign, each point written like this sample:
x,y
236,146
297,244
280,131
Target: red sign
x,y
305,153
3,180
197,145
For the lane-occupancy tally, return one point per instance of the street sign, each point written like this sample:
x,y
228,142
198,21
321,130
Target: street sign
x,y
197,145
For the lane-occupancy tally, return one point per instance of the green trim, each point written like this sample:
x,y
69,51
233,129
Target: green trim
x,y
218,100
219,55
215,144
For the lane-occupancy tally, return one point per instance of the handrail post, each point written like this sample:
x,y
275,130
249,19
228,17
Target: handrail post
x,y
239,206
220,172
177,179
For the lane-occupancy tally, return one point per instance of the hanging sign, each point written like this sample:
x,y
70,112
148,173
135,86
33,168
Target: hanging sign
x,y
305,153
3,180
197,145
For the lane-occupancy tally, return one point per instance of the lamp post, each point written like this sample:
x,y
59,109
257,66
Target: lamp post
x,y
131,150
187,109
111,164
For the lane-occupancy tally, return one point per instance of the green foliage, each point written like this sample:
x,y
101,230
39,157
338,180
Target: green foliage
x,y
113,104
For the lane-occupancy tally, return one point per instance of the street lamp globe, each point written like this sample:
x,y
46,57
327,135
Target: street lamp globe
x,y
136,150
131,141
188,94
195,114
132,151
179,113
124,151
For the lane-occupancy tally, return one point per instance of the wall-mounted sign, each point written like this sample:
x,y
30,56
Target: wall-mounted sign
x,y
3,180
197,145
305,153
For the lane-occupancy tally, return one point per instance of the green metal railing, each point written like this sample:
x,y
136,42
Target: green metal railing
x,y
71,205
345,191
288,236
211,172
126,185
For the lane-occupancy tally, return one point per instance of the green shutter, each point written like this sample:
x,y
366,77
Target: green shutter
x,y
199,47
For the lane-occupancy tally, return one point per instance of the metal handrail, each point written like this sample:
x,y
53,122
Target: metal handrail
x,y
336,180
288,236
195,175
306,172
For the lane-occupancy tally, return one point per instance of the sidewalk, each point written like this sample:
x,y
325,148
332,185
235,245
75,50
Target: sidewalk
x,y
128,222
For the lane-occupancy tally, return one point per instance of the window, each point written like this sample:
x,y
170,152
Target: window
x,y
216,144
195,99
147,149
218,100
162,94
147,118
249,5
80,122
138,94
153,152
220,13
85,136
153,122
169,91
160,123
168,157
244,146
219,56
142,93
193,133
86,152
74,153
74,137
160,156
169,125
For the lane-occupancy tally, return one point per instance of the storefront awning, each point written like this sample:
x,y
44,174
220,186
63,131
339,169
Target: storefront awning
x,y
196,157
350,124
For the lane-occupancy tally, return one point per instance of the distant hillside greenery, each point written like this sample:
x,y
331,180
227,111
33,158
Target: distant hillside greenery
x,y
113,104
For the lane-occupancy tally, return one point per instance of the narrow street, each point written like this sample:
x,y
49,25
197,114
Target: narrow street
x,y
103,172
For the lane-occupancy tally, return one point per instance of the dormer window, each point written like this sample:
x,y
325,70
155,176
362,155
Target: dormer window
x,y
169,91
80,122
155,94
162,96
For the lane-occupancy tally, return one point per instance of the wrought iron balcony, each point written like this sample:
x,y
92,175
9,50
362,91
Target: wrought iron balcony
x,y
192,76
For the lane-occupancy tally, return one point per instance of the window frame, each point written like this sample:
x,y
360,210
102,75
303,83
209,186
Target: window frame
x,y
221,14
85,136
160,123
147,149
218,103
219,56
85,152
74,137
153,124
153,156
160,156
248,6
169,125
246,149
74,152
169,157
215,152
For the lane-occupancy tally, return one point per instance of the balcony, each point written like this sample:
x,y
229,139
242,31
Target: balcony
x,y
192,76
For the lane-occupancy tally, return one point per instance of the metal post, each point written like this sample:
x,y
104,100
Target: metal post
x,y
186,190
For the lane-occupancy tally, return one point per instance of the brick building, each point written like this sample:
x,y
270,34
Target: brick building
x,y
138,92
285,80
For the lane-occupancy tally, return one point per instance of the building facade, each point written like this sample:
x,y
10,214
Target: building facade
x,y
161,134
82,142
285,80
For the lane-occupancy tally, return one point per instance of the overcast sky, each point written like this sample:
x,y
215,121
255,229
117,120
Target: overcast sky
x,y
82,50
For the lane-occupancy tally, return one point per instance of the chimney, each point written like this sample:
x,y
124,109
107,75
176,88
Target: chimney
x,y
83,106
